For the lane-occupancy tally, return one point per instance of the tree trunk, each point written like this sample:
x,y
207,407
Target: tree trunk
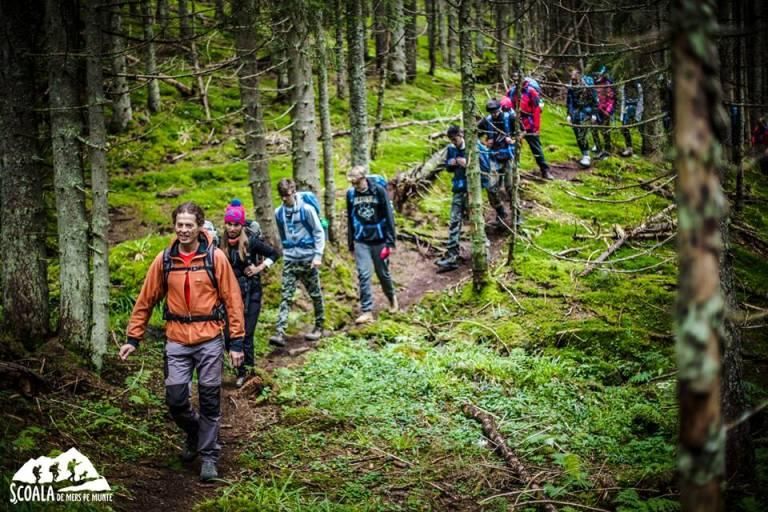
x,y
99,182
161,16
326,132
122,113
358,112
469,109
410,8
283,78
221,16
184,27
202,90
502,37
453,38
442,24
66,127
303,125
431,7
700,306
396,55
478,23
380,30
340,56
380,103
246,40
23,279
153,86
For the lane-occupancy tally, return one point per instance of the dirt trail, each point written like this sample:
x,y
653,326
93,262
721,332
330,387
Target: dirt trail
x,y
157,484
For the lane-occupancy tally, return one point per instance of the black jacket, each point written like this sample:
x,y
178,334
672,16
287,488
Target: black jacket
x,y
370,219
257,251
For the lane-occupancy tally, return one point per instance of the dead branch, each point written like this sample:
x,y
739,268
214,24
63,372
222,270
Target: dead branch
x,y
27,381
500,445
416,179
655,219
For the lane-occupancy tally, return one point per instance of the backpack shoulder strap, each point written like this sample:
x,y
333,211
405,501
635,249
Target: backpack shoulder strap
x,y
210,254
166,267
280,218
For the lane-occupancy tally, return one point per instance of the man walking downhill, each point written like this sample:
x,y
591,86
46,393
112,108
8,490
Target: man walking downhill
x,y
581,103
528,107
303,240
200,289
371,237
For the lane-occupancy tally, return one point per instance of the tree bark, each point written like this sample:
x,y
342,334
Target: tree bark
x,y
453,38
66,127
303,124
431,7
382,87
410,39
244,19
122,113
23,278
700,305
469,109
358,111
380,30
396,55
502,38
442,25
478,22
184,26
99,182
202,90
153,86
329,196
339,53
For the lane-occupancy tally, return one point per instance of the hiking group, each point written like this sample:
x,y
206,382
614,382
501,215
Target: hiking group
x,y
212,288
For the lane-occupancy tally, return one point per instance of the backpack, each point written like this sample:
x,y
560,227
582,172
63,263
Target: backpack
x,y
218,312
304,197
253,228
211,229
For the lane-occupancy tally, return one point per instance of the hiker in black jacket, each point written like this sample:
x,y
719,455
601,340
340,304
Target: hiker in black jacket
x,y
249,256
371,236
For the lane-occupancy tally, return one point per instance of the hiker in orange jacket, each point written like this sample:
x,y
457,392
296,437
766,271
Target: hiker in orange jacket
x,y
200,289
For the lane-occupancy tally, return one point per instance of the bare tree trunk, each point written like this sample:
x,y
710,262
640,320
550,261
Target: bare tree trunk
x,y
469,108
453,38
281,61
66,127
341,60
99,182
122,113
202,90
700,305
184,27
502,37
326,132
244,18
358,113
221,16
153,86
161,16
478,22
396,55
23,280
410,39
380,31
380,103
431,6
303,125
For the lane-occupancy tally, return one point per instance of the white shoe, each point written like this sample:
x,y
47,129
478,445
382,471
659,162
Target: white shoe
x,y
394,306
585,161
365,318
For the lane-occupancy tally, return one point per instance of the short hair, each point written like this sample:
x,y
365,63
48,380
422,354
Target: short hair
x,y
189,207
453,131
286,187
356,172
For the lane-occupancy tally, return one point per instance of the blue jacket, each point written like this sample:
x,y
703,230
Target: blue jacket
x,y
498,129
370,219
487,164
459,172
304,232
582,99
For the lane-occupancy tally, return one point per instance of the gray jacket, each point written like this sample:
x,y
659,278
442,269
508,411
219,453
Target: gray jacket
x,y
302,234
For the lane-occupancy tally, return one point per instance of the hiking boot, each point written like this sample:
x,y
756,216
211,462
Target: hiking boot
x,y
277,340
314,335
447,268
448,261
240,381
603,155
585,161
208,471
627,152
394,306
189,453
546,174
365,318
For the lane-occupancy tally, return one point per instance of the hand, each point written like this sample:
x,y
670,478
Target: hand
x,y
594,118
460,161
568,119
385,252
508,140
236,358
451,162
251,270
317,263
126,350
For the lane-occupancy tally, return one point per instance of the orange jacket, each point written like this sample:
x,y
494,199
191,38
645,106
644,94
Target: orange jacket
x,y
203,298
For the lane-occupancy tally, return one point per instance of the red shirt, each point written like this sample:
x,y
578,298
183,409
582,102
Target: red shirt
x,y
187,259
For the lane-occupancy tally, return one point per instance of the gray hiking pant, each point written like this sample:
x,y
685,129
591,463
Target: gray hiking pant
x,y
367,260
207,358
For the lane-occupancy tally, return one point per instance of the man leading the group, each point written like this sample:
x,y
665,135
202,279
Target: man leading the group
x,y
200,289
371,237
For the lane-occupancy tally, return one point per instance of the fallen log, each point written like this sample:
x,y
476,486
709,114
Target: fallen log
x,y
416,179
751,238
500,445
27,381
655,219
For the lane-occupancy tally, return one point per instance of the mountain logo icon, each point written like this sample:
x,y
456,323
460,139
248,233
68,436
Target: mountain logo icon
x,y
53,479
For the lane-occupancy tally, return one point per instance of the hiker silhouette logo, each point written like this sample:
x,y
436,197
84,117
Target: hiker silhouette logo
x,y
69,477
